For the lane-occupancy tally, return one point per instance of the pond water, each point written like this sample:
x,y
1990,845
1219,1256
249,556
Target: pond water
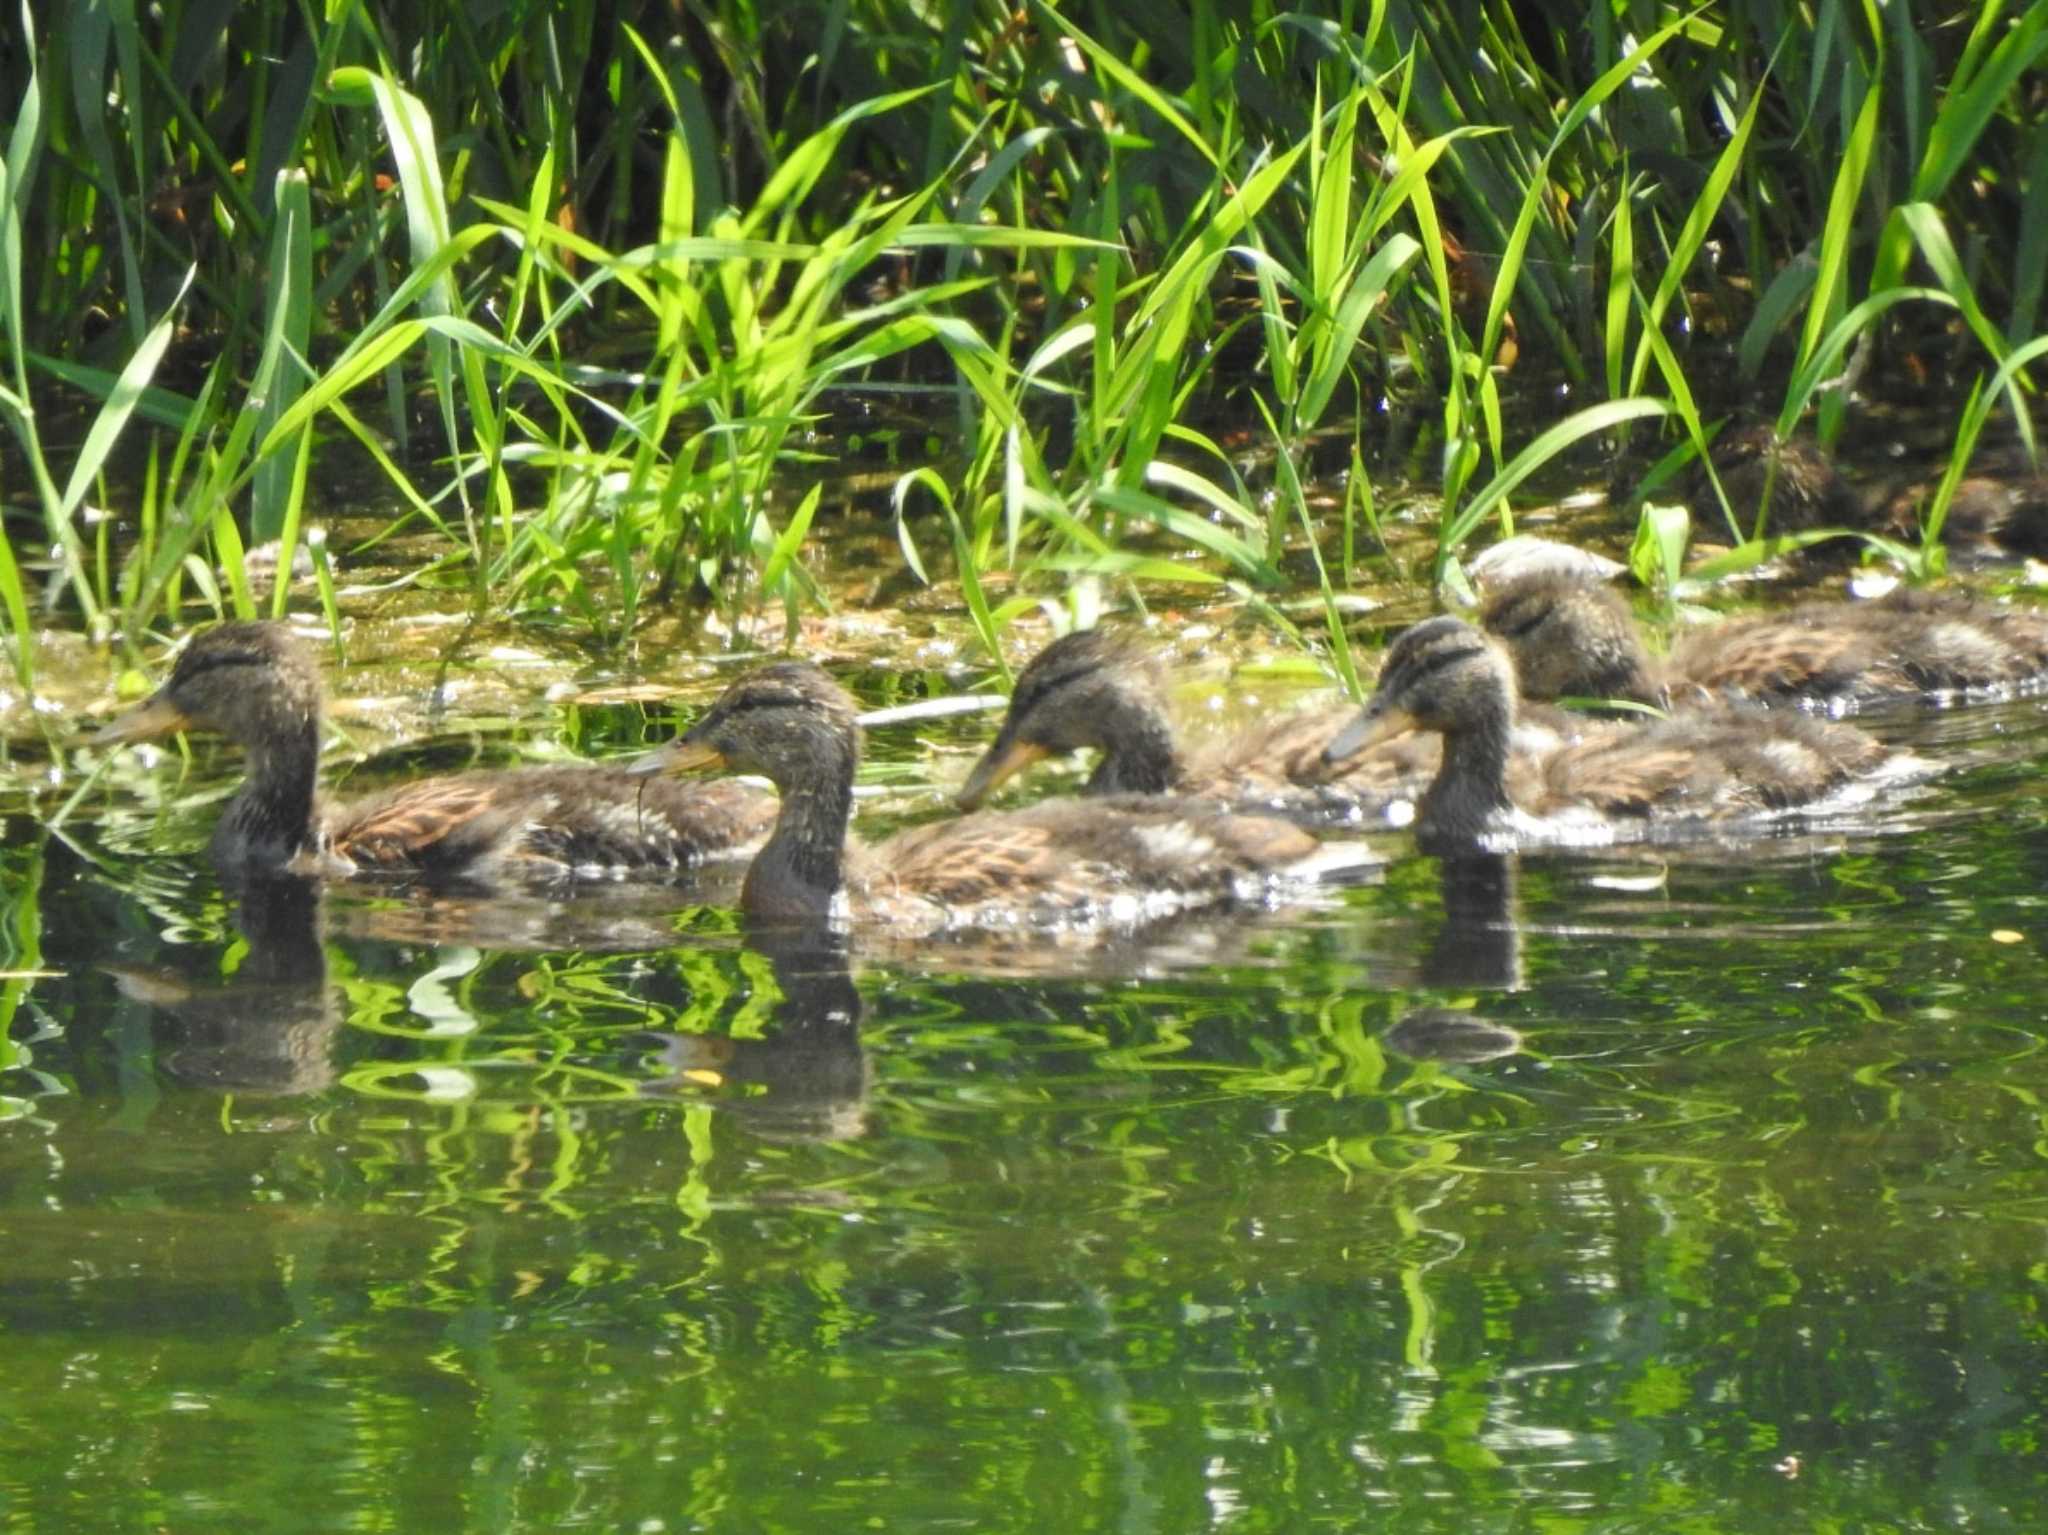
x,y
1590,1191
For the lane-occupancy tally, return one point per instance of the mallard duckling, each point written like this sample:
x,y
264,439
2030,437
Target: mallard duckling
x,y
1099,689
1575,638
1790,482
1121,860
256,684
2001,510
1717,764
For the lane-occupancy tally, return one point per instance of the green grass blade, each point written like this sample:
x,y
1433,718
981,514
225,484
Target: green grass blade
x,y
1116,69
288,338
1831,277
1580,424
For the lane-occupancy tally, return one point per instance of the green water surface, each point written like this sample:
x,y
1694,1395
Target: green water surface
x,y
375,1215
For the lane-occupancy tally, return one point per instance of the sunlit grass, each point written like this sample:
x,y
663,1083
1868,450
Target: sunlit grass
x,y
599,330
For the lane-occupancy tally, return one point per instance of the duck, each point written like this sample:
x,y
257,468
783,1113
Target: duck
x,y
1997,512
256,683
1711,766
1117,861
1571,637
1099,689
1790,483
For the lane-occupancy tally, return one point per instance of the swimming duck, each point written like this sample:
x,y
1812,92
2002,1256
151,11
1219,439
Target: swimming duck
x,y
1716,764
1573,637
1790,482
1100,689
1122,859
256,684
2000,510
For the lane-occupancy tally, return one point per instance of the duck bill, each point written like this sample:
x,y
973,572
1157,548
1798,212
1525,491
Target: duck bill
x,y
998,763
154,717
1375,725
679,756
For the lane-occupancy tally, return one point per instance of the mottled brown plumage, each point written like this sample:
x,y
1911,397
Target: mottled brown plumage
x,y
1999,509
1791,485
1098,690
1783,485
1713,765
1577,638
256,684
1119,860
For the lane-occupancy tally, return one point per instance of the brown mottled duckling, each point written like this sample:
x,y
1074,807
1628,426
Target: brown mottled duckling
x,y
1577,638
1790,481
1117,861
2001,510
256,684
1714,765
1099,689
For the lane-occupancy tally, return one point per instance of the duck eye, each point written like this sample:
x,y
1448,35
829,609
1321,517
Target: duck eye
x,y
1520,621
1433,661
196,663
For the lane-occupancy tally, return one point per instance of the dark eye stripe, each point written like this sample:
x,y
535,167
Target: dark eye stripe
x,y
1044,687
1416,669
760,698
196,663
1519,620
1068,661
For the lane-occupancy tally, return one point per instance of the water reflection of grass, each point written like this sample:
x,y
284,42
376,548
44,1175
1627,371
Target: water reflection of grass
x,y
1017,266
1759,1195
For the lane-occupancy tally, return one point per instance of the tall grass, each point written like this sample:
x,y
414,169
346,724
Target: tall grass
x,y
598,302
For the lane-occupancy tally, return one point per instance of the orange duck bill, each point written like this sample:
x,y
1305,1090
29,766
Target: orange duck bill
x,y
155,716
999,763
1379,722
681,755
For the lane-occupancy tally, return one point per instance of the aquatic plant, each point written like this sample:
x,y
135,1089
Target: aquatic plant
x,y
602,307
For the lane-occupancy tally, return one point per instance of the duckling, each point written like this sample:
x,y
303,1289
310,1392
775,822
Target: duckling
x,y
1125,858
1577,638
1100,689
256,684
1714,765
1790,482
1999,511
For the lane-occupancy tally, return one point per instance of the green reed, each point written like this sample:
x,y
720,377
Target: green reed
x,y
593,301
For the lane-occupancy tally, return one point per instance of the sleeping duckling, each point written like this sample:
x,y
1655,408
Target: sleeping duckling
x,y
1576,638
1998,511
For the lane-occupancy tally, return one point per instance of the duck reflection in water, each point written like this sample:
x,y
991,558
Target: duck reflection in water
x,y
268,1028
1479,945
808,1080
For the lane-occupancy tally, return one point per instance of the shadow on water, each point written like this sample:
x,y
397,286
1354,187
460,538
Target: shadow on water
x,y
1676,1185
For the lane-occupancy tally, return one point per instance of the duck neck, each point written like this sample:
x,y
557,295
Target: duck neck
x,y
271,820
800,872
1139,757
1470,792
